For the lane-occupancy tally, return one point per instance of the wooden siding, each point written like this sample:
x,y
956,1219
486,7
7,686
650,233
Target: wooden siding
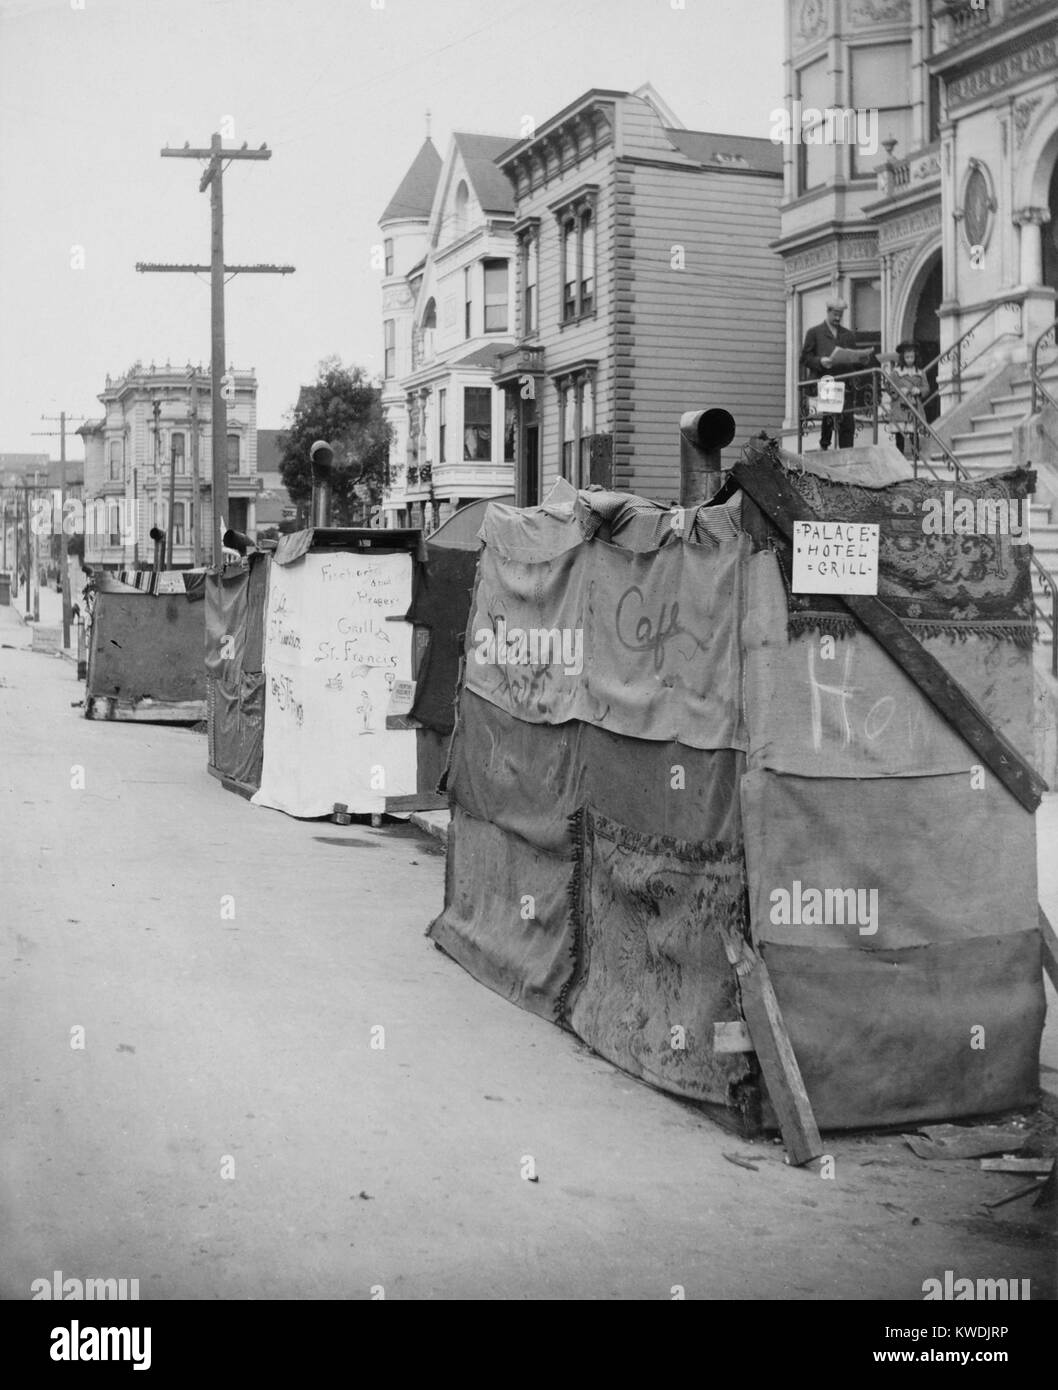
x,y
711,334
591,337
641,134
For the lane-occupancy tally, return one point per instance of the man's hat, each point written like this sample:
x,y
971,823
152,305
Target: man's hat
x,y
320,445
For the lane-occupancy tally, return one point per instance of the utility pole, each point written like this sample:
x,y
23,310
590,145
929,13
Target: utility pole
x,y
64,559
213,179
195,517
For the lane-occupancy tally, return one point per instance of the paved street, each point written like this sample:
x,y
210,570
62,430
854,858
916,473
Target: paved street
x,y
228,1131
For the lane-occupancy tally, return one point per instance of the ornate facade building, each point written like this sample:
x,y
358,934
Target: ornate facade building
x,y
157,427
944,231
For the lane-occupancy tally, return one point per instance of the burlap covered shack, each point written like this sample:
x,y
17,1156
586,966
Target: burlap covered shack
x,y
145,648
661,749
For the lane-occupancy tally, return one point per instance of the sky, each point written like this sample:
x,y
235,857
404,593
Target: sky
x,y
91,90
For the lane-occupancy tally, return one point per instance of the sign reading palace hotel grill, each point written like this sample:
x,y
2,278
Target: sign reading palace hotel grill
x,y
835,557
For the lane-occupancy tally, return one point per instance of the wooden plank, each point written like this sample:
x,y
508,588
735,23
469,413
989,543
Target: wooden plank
x,y
1017,1165
782,1075
767,484
1050,947
732,1037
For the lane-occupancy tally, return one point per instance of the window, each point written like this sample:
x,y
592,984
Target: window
x,y
115,473
530,276
812,310
388,252
569,428
577,423
413,431
233,453
467,302
569,269
587,261
813,91
477,423
495,296
427,331
426,433
389,329
866,308
576,223
176,445
587,429
442,423
510,425
178,523
114,522
881,81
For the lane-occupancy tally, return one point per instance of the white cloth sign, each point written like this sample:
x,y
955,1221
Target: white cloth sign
x,y
835,557
335,647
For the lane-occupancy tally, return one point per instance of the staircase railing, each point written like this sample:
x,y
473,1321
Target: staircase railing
x,y
868,391
1038,389
954,355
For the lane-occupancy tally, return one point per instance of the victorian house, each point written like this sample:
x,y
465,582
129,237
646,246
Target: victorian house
x,y
156,433
448,311
645,288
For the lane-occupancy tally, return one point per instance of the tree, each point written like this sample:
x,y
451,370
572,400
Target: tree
x,y
343,407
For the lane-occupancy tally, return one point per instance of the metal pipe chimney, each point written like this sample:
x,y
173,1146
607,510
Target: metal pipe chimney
x,y
158,537
703,434
321,460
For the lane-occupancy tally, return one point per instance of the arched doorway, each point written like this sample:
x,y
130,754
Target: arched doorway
x,y
921,323
1050,234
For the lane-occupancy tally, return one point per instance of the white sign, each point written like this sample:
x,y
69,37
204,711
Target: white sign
x,y
336,646
835,557
401,697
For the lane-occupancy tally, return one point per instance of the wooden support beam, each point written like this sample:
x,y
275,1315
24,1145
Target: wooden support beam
x,y
767,484
771,1042
782,1075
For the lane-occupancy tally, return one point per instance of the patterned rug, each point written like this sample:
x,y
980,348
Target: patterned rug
x,y
947,559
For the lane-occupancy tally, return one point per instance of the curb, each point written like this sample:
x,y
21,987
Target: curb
x,y
438,829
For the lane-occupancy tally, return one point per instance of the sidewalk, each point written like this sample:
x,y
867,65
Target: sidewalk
x,y
50,616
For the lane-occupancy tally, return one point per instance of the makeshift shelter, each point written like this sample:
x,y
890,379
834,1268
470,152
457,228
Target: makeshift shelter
x,y
332,667
719,829
145,647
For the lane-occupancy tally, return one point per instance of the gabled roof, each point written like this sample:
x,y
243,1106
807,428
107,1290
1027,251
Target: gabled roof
x,y
414,197
728,151
479,153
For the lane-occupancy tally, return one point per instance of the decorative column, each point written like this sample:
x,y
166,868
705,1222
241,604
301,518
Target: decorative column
x,y
1031,221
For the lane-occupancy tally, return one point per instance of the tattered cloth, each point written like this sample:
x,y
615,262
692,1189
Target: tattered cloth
x,y
950,584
